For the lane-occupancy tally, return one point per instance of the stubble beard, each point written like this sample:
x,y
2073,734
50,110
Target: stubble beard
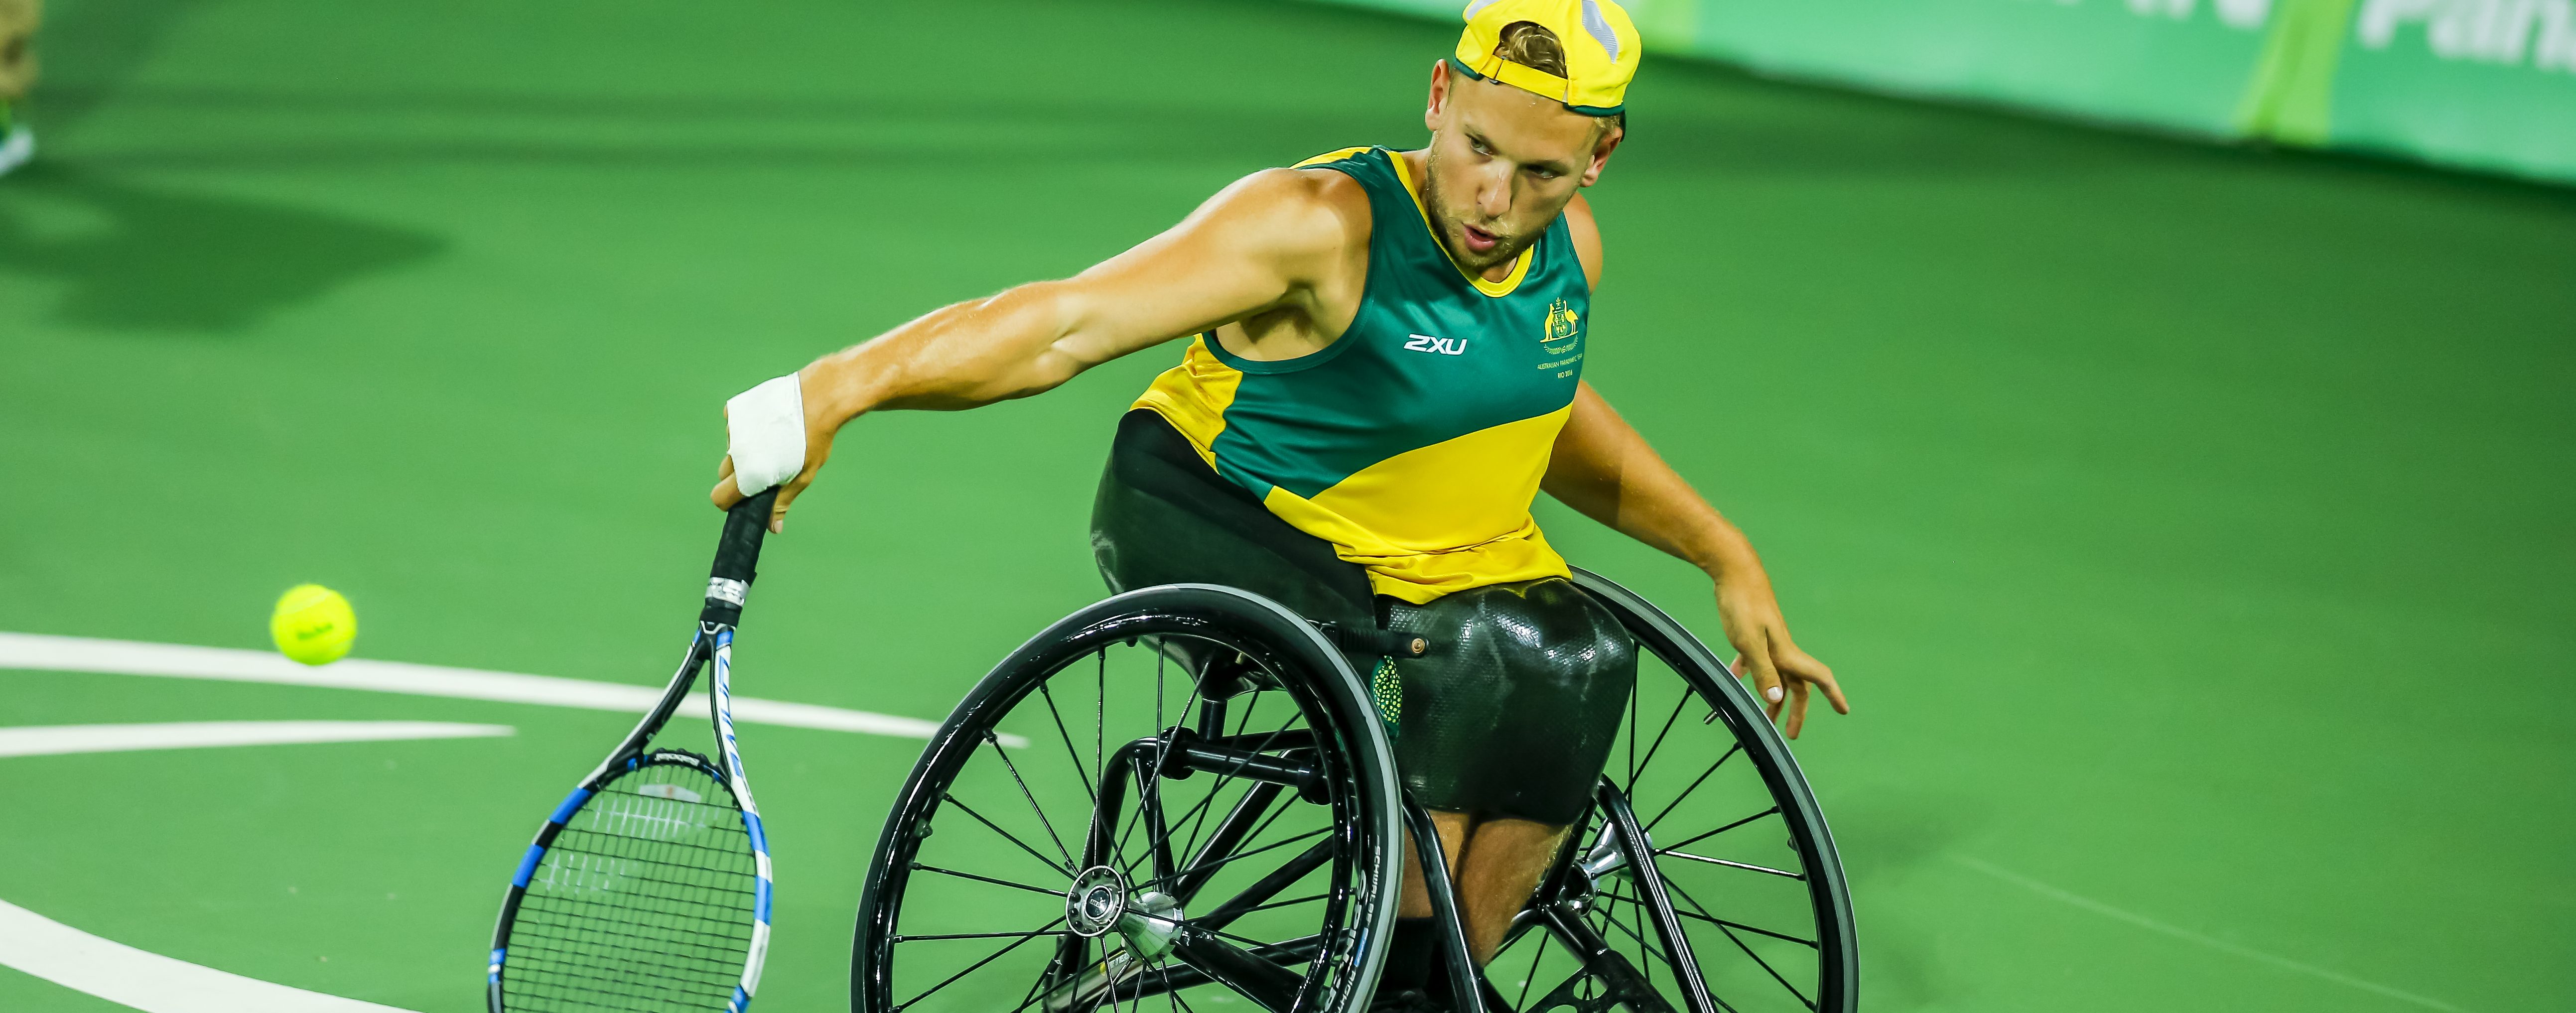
x,y
1452,234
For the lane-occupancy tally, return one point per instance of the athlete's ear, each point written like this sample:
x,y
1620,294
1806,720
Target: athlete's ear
x,y
1601,150
1439,95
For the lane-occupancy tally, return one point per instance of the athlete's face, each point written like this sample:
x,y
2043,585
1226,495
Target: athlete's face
x,y
1503,164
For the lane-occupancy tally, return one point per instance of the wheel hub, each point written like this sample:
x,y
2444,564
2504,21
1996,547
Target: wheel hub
x,y
1151,922
1606,858
1098,898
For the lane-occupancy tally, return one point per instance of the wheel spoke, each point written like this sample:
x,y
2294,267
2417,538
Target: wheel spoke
x,y
1236,770
1279,879
1149,808
1025,793
1746,866
1037,987
1701,914
1198,813
1149,801
1645,948
926,867
1536,952
972,968
1171,996
1247,811
1261,981
1688,841
983,935
1766,965
1308,899
1006,835
1135,818
1634,767
1198,823
1239,856
1694,785
1070,753
1739,944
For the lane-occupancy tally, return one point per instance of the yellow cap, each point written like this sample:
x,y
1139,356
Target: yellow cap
x,y
1601,49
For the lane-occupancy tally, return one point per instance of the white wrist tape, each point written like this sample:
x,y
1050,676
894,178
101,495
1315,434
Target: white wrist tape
x,y
766,426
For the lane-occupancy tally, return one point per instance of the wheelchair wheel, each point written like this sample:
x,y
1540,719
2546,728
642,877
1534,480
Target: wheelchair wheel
x,y
1179,796
1704,879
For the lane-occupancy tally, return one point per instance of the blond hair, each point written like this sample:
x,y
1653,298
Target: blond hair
x,y
1532,45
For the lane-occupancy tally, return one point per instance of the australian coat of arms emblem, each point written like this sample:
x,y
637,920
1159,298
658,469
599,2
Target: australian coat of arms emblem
x,y
1562,322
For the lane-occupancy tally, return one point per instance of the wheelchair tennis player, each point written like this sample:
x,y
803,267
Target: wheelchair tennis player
x,y
1385,369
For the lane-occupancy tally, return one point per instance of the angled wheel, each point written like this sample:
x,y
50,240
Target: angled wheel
x,y
1179,797
1704,879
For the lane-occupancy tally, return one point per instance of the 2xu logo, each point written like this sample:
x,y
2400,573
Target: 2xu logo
x,y
1444,346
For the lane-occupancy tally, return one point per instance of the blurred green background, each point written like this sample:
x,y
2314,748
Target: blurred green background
x,y
2187,523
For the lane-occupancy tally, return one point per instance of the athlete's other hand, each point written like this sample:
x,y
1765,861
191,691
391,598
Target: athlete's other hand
x,y
1779,671
818,448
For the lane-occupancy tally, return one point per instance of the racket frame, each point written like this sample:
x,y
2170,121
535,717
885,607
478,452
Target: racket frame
x,y
711,646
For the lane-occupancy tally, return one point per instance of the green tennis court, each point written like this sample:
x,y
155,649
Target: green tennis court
x,y
2189,524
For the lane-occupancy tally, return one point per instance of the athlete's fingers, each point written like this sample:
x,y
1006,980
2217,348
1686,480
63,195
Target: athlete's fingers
x,y
726,493
1805,668
1797,707
1756,665
778,511
818,449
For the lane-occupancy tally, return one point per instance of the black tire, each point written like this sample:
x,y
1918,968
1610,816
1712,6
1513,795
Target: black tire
x,y
1291,742
1742,868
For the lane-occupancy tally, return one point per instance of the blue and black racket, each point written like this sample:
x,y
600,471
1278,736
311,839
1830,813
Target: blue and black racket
x,y
648,889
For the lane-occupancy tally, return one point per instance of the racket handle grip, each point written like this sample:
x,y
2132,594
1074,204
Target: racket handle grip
x,y
737,557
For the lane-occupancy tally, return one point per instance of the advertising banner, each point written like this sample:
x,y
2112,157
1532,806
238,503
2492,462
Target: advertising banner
x,y
2487,84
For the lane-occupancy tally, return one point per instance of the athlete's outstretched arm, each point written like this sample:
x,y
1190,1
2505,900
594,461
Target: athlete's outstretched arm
x,y
1260,244
1604,469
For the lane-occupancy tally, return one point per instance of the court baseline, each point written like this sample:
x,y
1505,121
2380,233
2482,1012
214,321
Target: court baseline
x,y
181,661
55,740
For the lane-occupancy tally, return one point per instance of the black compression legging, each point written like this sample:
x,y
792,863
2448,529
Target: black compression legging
x,y
1510,713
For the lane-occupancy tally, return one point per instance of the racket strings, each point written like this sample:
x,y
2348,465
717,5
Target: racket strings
x,y
645,901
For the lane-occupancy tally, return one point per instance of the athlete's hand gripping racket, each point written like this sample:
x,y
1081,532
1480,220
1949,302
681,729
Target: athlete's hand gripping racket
x,y
648,889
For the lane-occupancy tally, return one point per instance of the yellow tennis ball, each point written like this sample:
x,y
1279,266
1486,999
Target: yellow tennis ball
x,y
313,624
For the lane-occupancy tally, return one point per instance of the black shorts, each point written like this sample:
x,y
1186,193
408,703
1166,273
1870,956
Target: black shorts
x,y
1510,713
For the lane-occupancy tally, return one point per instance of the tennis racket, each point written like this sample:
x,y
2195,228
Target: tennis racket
x,y
648,889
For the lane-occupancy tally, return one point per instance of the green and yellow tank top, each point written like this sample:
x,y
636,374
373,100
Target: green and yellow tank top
x,y
1414,443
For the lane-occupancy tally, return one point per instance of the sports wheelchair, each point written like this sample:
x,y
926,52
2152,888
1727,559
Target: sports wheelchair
x,y
1183,797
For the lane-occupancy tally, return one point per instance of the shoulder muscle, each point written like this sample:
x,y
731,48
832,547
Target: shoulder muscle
x,y
1267,240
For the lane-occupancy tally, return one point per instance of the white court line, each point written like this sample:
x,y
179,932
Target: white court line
x,y
154,983
2187,935
148,981
130,657
53,740
145,980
